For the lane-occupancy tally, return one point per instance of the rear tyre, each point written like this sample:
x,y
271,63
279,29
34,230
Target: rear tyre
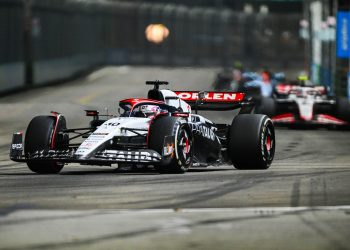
x,y
39,136
251,142
267,107
182,157
343,109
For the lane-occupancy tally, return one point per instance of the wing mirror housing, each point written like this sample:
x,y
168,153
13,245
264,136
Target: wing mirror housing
x,y
201,95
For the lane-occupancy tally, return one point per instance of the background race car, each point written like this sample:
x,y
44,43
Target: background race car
x,y
302,103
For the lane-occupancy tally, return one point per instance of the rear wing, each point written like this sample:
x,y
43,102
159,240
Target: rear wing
x,y
215,100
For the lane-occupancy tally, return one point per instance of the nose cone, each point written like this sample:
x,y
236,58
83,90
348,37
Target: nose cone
x,y
102,137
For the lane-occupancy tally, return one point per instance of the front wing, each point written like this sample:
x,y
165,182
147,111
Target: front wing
x,y
318,120
103,157
106,157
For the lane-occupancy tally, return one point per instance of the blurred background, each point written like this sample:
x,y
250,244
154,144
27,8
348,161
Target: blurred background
x,y
44,41
103,51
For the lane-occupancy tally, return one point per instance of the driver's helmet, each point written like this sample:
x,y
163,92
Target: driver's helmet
x,y
303,80
149,110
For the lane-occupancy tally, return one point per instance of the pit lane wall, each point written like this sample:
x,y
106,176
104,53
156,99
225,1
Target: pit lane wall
x,y
71,36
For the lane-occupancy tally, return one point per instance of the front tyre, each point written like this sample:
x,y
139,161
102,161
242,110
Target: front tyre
x,y
180,160
43,134
251,141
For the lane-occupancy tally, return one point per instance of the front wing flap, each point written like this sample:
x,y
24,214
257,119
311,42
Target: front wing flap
x,y
105,157
318,120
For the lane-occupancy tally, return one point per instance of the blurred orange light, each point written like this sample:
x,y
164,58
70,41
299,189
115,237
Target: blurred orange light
x,y
156,33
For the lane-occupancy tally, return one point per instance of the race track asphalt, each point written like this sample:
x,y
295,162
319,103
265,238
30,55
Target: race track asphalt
x,y
301,202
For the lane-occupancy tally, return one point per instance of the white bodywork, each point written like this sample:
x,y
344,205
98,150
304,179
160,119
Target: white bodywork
x,y
305,98
114,127
108,130
177,103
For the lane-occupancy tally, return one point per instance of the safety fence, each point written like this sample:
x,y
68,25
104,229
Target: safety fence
x,y
68,36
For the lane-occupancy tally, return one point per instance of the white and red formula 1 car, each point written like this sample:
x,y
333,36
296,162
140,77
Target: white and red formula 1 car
x,y
161,131
308,105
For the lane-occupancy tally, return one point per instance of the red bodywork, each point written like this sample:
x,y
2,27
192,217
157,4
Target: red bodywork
x,y
283,88
135,101
286,89
284,118
321,119
57,117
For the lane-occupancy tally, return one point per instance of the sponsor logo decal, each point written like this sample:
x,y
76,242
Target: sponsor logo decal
x,y
100,133
113,124
203,130
139,156
52,154
211,96
17,146
112,155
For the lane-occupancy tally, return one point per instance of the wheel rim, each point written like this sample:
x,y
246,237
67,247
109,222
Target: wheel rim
x,y
184,146
269,143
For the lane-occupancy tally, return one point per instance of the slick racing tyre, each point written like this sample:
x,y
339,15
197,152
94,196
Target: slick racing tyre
x,y
181,140
343,109
267,107
39,136
251,141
